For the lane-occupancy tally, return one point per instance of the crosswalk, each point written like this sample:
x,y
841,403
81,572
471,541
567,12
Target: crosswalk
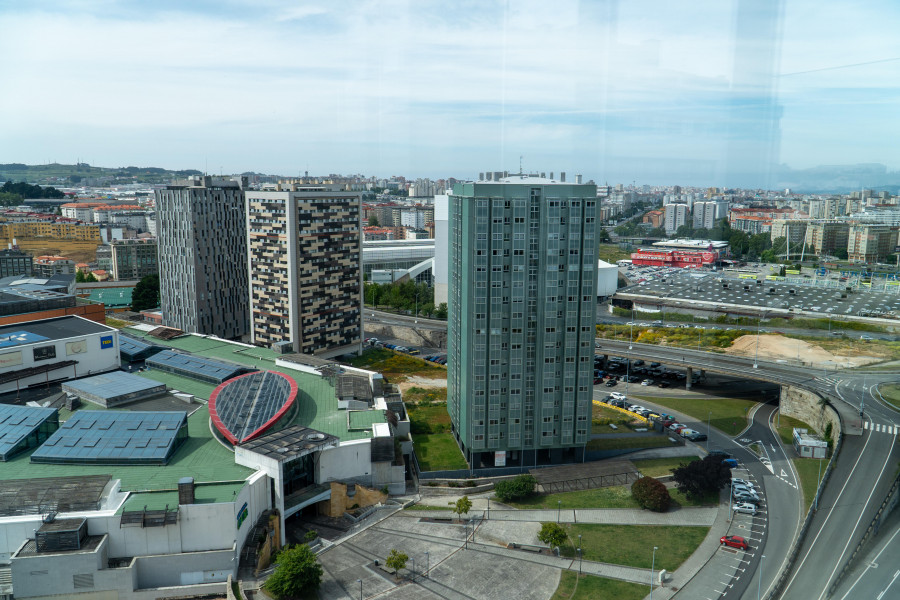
x,y
882,428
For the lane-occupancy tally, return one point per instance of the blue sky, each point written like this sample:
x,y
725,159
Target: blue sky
x,y
709,92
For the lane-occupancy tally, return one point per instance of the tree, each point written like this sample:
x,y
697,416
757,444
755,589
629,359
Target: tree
x,y
441,311
373,221
699,478
603,236
396,560
462,506
553,534
841,253
651,494
297,572
146,294
521,486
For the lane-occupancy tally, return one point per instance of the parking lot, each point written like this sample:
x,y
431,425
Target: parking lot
x,y
686,289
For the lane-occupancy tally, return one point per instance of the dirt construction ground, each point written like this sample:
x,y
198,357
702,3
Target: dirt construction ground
x,y
777,347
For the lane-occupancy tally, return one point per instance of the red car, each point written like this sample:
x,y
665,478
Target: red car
x,y
734,541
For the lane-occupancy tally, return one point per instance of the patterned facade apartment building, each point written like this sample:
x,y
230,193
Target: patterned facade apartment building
x,y
305,252
203,257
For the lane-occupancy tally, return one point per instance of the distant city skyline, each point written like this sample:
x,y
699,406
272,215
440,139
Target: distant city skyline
x,y
732,94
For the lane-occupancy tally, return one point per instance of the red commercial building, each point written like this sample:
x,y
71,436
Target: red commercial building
x,y
673,258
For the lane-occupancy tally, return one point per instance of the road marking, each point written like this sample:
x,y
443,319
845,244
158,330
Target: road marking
x,y
783,474
824,523
866,425
853,531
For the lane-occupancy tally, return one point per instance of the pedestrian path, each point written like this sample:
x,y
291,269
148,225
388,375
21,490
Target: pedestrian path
x,y
684,517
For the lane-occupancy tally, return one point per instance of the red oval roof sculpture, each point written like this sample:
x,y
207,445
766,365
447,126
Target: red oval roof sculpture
x,y
245,407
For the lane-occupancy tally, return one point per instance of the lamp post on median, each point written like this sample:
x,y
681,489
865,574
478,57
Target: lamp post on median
x,y
427,563
652,568
558,509
359,581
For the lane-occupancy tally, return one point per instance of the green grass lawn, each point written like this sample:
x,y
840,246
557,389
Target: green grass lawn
x,y
891,393
808,471
438,452
602,416
429,419
639,441
632,545
680,499
618,496
589,587
417,395
786,428
659,467
729,415
395,366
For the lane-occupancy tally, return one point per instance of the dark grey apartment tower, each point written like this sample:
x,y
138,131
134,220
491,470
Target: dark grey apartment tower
x,y
203,256
15,263
522,309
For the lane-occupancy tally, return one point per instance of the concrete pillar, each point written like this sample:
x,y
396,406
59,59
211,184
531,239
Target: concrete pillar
x,y
690,375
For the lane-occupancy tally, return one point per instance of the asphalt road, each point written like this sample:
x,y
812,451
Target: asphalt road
x,y
877,575
731,573
862,476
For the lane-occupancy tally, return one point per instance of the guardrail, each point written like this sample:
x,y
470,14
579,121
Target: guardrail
x,y
889,503
801,537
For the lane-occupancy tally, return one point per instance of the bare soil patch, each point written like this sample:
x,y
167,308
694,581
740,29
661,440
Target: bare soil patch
x,y
778,347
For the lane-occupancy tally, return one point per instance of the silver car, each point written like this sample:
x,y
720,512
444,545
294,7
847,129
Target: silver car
x,y
745,508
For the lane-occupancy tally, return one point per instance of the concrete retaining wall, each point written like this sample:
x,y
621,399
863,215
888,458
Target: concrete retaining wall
x,y
809,408
432,338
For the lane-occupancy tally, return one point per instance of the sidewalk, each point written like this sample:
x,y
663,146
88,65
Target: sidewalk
x,y
690,516
702,555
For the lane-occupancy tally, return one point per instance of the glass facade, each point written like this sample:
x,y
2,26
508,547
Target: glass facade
x,y
522,280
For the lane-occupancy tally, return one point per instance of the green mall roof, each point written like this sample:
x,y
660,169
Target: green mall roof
x,y
316,400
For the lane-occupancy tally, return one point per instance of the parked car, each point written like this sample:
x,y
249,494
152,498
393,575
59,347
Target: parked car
x,y
697,437
663,384
734,541
744,482
647,382
674,426
721,453
618,395
745,508
598,380
686,432
745,497
611,383
730,463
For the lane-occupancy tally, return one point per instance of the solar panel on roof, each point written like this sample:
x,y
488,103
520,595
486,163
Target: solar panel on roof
x,y
195,367
122,440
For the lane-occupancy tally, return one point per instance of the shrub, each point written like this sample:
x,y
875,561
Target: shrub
x,y
552,534
521,486
651,494
311,535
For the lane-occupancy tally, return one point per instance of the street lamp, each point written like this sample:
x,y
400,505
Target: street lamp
x,y
756,357
708,418
427,563
652,568
730,498
558,509
580,555
759,584
359,581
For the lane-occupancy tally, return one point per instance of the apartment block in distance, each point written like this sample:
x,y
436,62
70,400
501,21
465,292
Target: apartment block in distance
x,y
522,284
203,256
305,254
